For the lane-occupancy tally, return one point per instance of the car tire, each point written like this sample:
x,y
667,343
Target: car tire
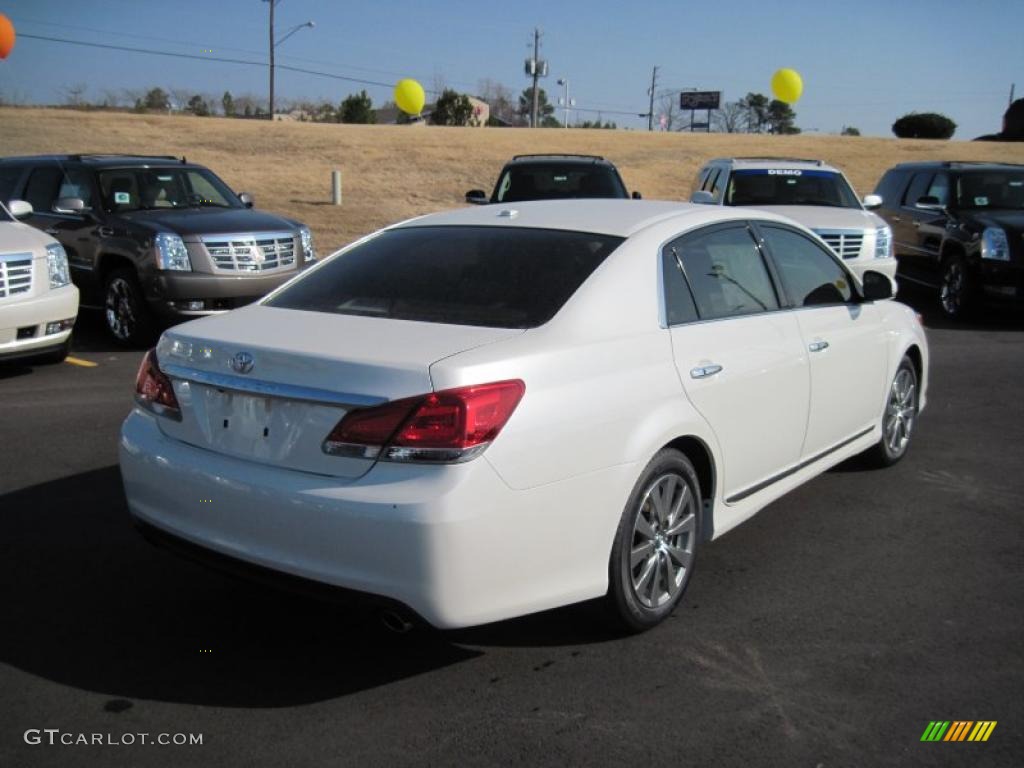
x,y
956,290
899,417
655,545
55,356
125,310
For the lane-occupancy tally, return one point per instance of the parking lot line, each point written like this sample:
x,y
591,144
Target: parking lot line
x,y
80,362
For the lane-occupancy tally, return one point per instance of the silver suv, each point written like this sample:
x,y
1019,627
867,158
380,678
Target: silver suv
x,y
810,192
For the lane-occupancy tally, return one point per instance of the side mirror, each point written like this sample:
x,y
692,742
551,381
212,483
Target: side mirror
x,y
929,203
19,208
637,196
247,199
72,205
876,286
872,201
703,197
476,197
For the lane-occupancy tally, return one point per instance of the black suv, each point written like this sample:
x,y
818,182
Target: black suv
x,y
958,227
155,238
553,177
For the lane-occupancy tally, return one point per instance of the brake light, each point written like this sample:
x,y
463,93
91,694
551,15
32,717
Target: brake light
x,y
153,390
453,425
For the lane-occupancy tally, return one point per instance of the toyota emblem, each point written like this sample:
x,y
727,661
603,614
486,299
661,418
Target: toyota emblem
x,y
242,362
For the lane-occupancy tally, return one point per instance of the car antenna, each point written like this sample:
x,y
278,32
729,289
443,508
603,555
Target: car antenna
x,y
183,161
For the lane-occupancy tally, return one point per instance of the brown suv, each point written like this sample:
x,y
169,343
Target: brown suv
x,y
153,238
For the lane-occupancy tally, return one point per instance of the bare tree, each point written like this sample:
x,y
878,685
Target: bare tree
x,y
179,98
74,95
439,83
731,118
500,98
112,98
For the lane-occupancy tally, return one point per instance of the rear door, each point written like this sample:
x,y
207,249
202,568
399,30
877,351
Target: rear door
x,y
845,341
741,361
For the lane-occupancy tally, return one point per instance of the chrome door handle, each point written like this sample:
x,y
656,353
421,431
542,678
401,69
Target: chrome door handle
x,y
105,231
703,371
52,231
897,219
917,225
817,346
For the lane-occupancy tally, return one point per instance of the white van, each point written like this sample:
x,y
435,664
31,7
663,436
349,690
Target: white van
x,y
38,303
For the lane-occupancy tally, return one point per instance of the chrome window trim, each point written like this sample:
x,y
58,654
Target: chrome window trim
x,y
270,388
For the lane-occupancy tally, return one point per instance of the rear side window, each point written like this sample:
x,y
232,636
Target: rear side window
x,y
679,306
8,178
810,273
496,277
727,273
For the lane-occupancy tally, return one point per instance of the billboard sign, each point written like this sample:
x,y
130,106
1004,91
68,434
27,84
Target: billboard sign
x,y
700,99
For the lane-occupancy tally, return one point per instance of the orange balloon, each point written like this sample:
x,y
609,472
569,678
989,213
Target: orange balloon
x,y
6,36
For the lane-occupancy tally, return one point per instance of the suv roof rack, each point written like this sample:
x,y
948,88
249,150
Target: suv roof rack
x,y
97,155
782,159
953,163
559,154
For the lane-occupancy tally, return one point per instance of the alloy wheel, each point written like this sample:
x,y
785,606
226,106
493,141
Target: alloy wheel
x,y
663,542
900,412
954,282
120,309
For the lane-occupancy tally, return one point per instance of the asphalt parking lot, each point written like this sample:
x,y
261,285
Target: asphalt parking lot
x,y
829,630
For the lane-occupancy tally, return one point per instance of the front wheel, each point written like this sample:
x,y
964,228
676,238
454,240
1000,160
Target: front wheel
x,y
125,309
899,418
956,293
655,546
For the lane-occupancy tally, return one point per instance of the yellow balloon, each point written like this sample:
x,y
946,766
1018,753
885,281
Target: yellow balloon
x,y
409,96
787,85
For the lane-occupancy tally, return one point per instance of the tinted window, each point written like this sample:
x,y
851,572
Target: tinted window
x,y
939,189
789,186
889,188
727,273
809,272
679,306
41,189
75,183
711,180
547,181
991,189
8,178
918,188
132,189
498,277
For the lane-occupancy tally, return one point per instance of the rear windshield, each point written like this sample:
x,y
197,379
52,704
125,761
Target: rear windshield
x,y
789,186
496,277
551,181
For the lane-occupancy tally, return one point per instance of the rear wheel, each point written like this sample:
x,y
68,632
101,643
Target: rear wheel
x,y
127,314
656,543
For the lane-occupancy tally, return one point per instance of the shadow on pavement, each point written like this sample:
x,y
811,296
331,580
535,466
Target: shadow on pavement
x,y
985,318
92,605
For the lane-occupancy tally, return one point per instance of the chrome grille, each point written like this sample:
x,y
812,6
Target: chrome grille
x,y
845,242
15,274
251,252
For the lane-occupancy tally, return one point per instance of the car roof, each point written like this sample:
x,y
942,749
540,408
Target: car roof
x,y
617,217
543,159
961,165
751,163
102,160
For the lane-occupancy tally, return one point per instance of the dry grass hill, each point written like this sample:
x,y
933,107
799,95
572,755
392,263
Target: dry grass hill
x,y
394,172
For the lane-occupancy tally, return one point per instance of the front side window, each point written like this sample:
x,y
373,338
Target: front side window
x,y
789,186
808,271
134,189
550,181
41,189
918,188
75,183
496,277
727,273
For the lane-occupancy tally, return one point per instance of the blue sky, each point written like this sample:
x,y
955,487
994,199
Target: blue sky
x,y
864,63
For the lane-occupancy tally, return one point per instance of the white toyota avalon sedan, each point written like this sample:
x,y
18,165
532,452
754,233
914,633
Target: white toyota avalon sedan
x,y
484,413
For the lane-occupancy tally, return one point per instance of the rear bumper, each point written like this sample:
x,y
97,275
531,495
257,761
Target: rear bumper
x,y
169,292
30,317
453,543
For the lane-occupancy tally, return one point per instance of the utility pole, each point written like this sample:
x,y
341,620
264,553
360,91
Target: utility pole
x,y
650,112
536,75
272,3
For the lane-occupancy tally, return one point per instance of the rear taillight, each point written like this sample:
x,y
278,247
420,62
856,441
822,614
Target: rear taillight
x,y
153,390
449,426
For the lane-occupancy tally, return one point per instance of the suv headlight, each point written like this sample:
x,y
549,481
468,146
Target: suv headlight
x,y
171,253
994,244
883,243
308,251
57,265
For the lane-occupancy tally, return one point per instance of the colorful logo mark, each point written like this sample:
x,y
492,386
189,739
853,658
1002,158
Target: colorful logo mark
x,y
958,730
